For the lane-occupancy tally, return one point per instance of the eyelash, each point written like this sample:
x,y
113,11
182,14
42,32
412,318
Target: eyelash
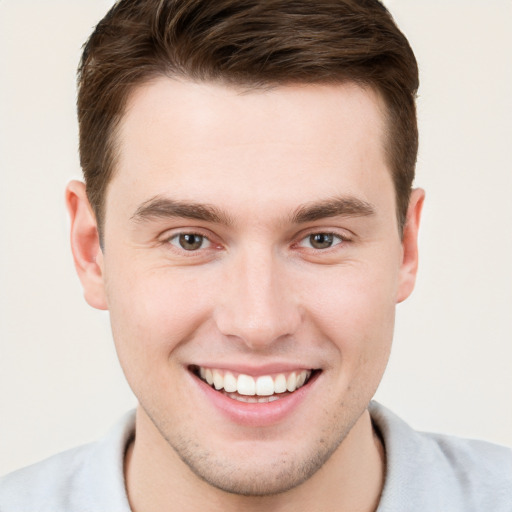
x,y
341,239
177,237
331,238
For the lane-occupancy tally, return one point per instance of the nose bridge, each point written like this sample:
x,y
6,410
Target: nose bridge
x,y
257,305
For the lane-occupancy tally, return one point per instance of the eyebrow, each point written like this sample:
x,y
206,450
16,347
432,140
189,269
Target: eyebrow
x,y
160,207
336,207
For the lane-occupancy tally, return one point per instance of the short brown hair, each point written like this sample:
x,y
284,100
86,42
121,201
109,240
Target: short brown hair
x,y
249,43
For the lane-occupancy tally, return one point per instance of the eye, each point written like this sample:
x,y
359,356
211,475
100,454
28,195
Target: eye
x,y
321,241
190,241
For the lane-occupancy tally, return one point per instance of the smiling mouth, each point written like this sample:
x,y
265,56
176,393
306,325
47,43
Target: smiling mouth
x,y
249,389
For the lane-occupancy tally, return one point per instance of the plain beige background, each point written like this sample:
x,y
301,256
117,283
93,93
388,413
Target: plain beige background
x,y
60,384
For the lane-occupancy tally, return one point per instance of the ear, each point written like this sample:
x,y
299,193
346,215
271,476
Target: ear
x,y
409,265
85,245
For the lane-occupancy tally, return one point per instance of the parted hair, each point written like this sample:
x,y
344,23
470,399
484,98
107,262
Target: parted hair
x,y
250,44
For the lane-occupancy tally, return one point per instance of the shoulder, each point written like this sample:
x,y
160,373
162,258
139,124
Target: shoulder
x,y
45,485
87,478
430,472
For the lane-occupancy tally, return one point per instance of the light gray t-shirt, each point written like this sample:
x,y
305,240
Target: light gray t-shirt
x,y
424,473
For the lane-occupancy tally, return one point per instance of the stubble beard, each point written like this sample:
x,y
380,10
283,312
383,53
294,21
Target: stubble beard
x,y
282,473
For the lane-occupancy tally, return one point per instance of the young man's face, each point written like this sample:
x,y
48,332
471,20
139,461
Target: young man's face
x,y
252,234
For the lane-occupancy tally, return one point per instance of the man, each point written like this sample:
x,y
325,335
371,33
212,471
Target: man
x,y
249,223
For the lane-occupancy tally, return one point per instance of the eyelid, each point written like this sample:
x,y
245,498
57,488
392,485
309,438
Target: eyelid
x,y
344,235
185,230
170,234
178,235
304,239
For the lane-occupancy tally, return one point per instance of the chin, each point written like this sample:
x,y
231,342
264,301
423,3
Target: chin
x,y
252,477
258,467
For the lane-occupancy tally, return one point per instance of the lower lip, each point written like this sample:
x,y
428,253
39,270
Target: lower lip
x,y
256,414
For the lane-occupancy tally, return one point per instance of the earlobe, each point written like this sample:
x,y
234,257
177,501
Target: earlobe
x,y
85,245
409,264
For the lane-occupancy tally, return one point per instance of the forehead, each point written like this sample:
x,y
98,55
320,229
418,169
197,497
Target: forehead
x,y
213,141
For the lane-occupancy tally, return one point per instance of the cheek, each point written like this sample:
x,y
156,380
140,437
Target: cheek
x,y
151,313
355,309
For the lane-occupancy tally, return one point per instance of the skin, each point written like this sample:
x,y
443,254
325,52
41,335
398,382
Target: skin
x,y
255,293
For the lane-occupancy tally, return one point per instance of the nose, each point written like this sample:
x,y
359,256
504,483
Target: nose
x,y
257,303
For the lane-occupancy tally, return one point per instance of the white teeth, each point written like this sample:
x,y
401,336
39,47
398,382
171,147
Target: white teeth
x,y
230,382
280,384
218,379
253,399
246,385
301,378
291,382
263,386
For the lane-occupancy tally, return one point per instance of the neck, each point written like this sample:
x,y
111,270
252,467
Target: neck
x,y
157,480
